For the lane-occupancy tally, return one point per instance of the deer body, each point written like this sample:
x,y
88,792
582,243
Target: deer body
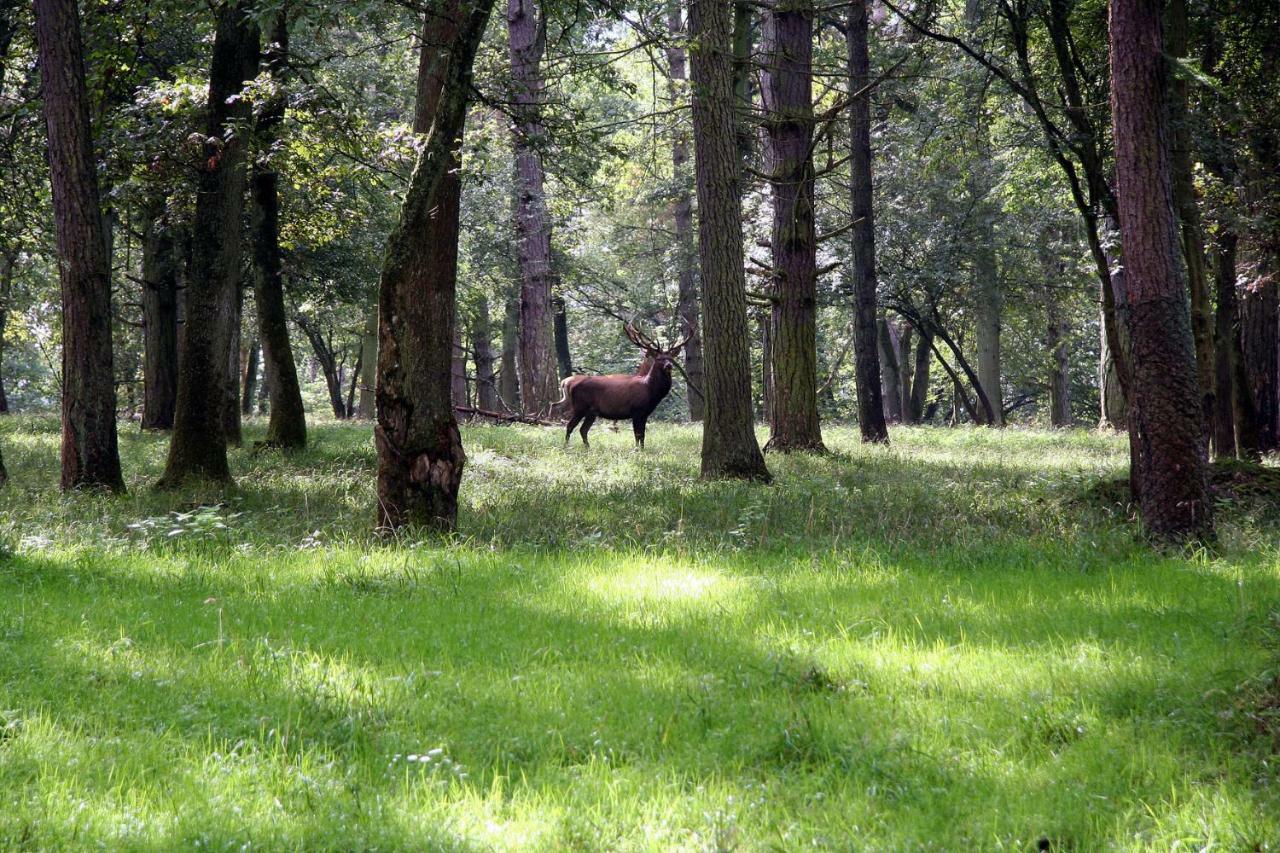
x,y
617,397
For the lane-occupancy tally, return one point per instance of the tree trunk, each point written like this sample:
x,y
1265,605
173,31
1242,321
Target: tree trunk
x,y
458,369
564,359
420,455
990,307
8,263
526,33
1166,409
250,378
920,381
682,216
327,360
231,391
198,448
159,319
729,447
1188,208
90,455
1113,410
890,371
509,381
905,349
368,364
766,366
1236,418
787,97
866,357
287,426
1259,316
1060,375
742,70
482,346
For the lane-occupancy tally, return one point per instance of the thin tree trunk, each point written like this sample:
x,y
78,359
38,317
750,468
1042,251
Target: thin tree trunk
x,y
8,263
526,34
287,426
905,349
564,359
482,346
231,391
327,361
355,380
729,446
458,369
509,381
198,448
1166,409
920,381
250,378
1188,208
787,97
682,216
863,235
1060,375
890,371
368,364
159,319
420,454
990,306
90,454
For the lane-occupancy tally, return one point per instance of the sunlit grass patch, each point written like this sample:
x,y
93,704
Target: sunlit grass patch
x,y
927,645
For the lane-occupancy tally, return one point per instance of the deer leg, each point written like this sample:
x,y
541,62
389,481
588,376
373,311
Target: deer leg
x,y
586,425
573,422
637,426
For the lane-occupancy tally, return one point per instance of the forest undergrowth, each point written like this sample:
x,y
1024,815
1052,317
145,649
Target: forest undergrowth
x,y
936,644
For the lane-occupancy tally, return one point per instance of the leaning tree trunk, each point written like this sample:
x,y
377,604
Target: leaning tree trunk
x,y
682,216
159,319
287,425
866,358
420,455
198,448
787,96
1165,406
729,446
90,455
527,33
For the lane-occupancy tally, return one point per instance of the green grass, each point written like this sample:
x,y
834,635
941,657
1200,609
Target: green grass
x,y
934,645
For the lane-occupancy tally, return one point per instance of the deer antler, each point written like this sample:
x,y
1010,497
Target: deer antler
x,y
640,339
688,336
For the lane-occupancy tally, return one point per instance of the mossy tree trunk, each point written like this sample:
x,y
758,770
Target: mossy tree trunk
x,y
90,454
420,455
198,449
729,446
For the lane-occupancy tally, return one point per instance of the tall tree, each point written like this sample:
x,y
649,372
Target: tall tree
x,y
482,345
787,96
90,456
509,377
682,216
1166,409
729,446
159,318
527,37
287,426
420,455
866,357
198,449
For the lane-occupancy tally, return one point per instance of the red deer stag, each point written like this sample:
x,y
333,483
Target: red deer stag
x,y
620,396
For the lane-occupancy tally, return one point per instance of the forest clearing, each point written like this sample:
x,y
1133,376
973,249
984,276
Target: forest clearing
x,y
935,644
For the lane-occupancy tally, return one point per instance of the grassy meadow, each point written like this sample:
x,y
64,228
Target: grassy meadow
x,y
934,645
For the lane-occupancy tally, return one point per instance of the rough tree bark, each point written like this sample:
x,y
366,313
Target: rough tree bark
x,y
420,455
159,319
787,98
1165,406
527,34
198,449
863,236
920,379
90,455
729,446
682,216
564,359
287,425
